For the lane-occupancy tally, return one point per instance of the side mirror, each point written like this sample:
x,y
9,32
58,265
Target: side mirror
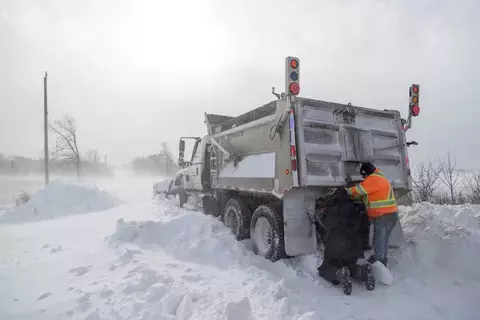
x,y
181,146
181,153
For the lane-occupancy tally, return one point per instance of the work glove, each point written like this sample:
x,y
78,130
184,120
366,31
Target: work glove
x,y
340,192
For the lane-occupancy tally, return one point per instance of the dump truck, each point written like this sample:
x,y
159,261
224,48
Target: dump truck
x,y
262,172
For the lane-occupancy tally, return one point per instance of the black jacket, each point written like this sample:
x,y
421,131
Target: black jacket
x,y
344,227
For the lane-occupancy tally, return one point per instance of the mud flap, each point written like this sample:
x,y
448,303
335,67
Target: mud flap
x,y
299,231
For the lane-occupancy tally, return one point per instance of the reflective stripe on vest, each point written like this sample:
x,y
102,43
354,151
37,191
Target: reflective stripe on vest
x,y
363,194
390,202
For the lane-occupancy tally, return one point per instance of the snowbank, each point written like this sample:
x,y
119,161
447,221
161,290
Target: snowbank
x,y
440,252
180,264
437,239
440,238
60,199
204,243
445,238
190,236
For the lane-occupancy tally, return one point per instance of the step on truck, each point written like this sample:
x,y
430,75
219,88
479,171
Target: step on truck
x,y
263,171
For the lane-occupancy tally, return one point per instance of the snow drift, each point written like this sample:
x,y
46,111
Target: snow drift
x,y
441,249
436,237
60,199
440,239
194,237
203,242
164,262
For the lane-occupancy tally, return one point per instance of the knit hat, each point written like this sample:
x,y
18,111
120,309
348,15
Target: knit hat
x,y
367,169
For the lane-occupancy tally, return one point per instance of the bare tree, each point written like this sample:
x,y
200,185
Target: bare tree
x,y
441,197
449,174
472,185
426,181
67,145
167,156
93,157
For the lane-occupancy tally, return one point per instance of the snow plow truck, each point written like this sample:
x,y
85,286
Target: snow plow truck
x,y
264,172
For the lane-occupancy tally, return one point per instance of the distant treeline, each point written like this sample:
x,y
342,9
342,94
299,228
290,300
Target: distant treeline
x,y
161,163
17,165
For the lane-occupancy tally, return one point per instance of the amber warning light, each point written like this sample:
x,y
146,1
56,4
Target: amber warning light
x,y
294,63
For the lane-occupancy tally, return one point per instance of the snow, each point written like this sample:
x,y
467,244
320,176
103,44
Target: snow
x,y
162,186
442,238
145,258
251,166
382,274
60,199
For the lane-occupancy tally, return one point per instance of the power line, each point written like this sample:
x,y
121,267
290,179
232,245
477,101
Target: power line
x,y
18,87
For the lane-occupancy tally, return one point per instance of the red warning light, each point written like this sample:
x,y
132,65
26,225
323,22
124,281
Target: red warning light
x,y
294,88
415,110
415,89
294,165
294,63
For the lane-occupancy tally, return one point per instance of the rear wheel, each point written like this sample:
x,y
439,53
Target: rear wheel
x,y
266,230
237,216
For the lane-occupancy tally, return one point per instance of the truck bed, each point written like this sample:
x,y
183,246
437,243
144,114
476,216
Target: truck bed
x,y
332,140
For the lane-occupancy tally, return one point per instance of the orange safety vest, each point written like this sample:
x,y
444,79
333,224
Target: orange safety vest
x,y
377,195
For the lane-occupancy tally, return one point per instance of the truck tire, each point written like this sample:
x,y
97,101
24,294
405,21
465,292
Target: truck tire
x,y
237,216
266,230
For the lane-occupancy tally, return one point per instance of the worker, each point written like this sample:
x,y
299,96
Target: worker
x,y
376,193
343,226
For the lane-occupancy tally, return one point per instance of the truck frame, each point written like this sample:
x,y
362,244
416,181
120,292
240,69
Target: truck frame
x,y
262,172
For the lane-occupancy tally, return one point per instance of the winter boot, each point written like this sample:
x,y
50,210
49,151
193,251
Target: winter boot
x,y
368,277
343,276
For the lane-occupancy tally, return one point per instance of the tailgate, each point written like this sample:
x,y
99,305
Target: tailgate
x,y
333,139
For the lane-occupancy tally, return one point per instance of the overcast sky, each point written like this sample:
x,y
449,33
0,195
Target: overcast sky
x,y
136,73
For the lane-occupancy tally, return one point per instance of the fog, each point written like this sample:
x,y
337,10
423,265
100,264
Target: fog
x,y
134,74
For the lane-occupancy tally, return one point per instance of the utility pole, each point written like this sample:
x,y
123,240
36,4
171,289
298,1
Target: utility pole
x,y
45,127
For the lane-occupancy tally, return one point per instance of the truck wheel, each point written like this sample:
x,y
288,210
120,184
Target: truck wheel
x,y
237,216
266,230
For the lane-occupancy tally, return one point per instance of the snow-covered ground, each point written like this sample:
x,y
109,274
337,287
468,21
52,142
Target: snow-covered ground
x,y
123,255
